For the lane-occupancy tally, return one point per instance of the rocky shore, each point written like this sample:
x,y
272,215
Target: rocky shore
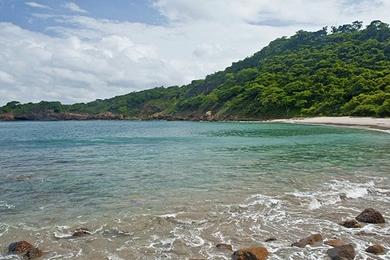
x,y
50,116
336,249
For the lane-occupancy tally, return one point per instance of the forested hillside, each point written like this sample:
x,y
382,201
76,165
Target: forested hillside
x,y
343,70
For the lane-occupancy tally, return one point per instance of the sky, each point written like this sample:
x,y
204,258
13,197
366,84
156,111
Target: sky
x,y
82,50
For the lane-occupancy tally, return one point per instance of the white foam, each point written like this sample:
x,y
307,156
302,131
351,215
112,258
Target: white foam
x,y
315,204
4,204
356,193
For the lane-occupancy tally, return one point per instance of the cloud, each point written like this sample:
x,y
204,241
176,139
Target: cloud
x,y
74,7
37,5
80,58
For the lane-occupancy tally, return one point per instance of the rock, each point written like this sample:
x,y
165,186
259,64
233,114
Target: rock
x,y
364,233
312,240
81,232
224,247
344,252
376,249
251,253
24,249
371,216
270,239
7,117
335,242
343,196
352,223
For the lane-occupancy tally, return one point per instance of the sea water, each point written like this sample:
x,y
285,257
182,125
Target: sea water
x,y
173,190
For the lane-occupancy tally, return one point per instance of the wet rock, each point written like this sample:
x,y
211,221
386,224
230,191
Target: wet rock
x,y
352,223
24,249
251,253
376,249
344,252
335,242
343,196
224,247
312,240
81,232
270,239
365,233
370,215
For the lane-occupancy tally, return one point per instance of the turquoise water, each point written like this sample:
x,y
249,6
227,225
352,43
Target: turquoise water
x,y
120,175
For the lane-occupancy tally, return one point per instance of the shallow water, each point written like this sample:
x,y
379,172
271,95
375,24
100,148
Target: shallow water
x,y
173,190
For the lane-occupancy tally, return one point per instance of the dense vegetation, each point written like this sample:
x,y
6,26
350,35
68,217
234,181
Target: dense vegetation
x,y
342,72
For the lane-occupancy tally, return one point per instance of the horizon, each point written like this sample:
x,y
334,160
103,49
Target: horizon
x,y
76,51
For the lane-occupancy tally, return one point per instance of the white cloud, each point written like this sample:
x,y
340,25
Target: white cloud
x,y
92,58
74,7
37,5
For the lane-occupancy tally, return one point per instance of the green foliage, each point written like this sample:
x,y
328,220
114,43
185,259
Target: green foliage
x,y
345,72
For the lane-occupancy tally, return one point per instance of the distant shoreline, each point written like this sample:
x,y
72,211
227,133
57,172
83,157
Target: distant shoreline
x,y
370,123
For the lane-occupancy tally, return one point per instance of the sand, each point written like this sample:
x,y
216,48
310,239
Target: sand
x,y
382,124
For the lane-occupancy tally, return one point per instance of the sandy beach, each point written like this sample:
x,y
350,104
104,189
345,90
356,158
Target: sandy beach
x,y
382,124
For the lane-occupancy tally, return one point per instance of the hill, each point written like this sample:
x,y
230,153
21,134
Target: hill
x,y
344,71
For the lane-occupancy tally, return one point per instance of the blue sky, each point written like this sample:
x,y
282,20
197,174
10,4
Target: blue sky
x,y
22,12
81,50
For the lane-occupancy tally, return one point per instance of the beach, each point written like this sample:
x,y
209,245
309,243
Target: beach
x,y
382,124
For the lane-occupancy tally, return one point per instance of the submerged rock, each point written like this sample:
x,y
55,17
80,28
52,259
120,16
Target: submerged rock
x,y
81,232
376,249
224,247
251,253
335,242
352,223
24,249
370,215
344,252
365,233
312,240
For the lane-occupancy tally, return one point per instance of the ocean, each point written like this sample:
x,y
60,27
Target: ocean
x,y
173,190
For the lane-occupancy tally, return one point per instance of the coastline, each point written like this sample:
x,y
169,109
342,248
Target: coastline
x,y
367,123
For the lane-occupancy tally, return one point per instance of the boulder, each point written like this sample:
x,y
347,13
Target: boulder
x,y
376,249
81,232
344,252
224,247
352,223
335,242
371,216
24,249
251,253
312,240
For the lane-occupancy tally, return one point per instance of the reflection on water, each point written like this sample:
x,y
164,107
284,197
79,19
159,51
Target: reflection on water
x,y
174,190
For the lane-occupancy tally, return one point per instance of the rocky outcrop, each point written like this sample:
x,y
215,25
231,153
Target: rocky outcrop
x,y
352,223
24,249
344,252
376,249
51,116
251,253
7,117
335,242
371,216
224,247
312,240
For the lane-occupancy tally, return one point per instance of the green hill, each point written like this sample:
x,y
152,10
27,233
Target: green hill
x,y
342,72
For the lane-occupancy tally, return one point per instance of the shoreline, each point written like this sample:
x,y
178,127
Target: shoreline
x,y
366,123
